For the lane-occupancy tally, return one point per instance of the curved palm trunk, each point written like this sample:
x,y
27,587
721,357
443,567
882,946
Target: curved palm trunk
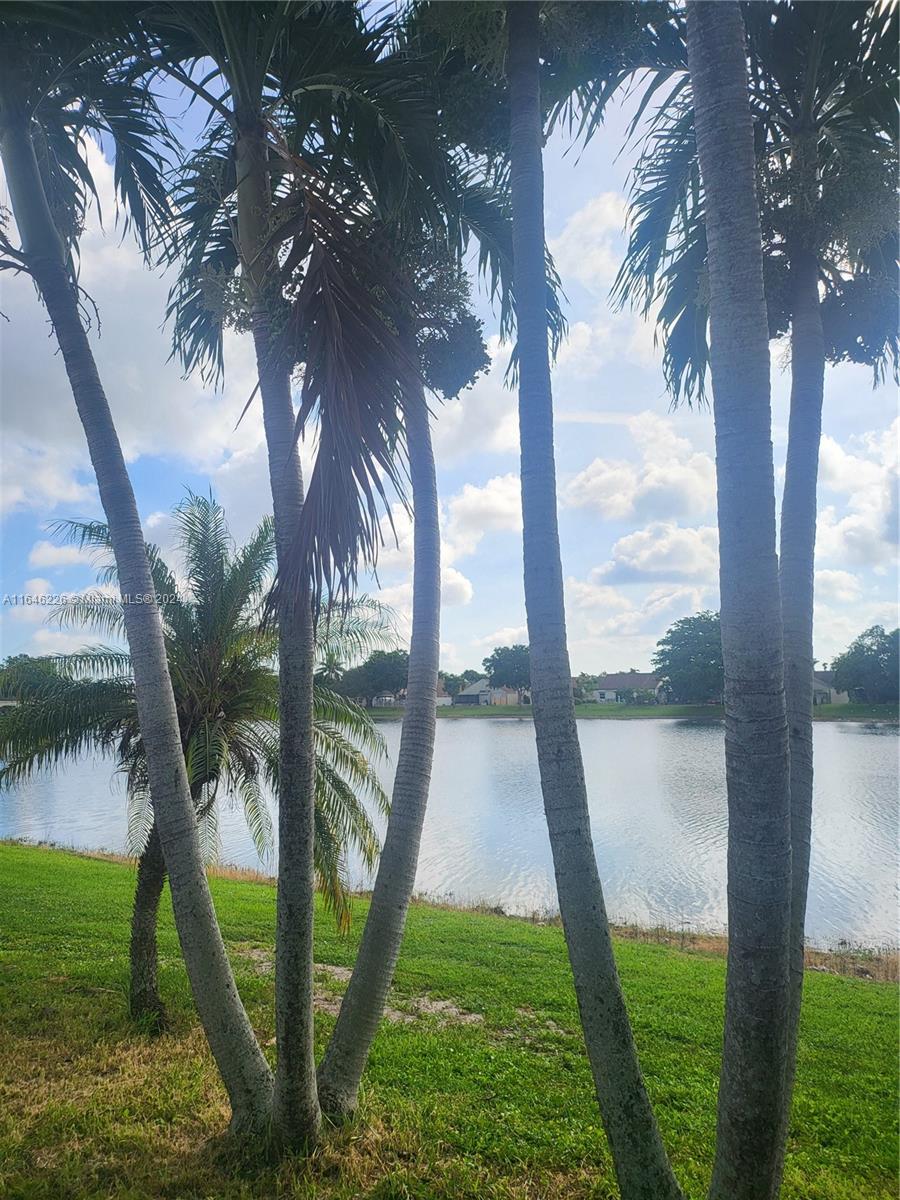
x,y
798,547
238,1056
296,1114
363,1004
756,741
640,1159
144,1001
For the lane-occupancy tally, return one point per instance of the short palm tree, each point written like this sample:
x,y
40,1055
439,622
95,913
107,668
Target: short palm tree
x,y
221,658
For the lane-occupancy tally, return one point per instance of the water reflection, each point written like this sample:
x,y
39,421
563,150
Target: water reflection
x,y
658,815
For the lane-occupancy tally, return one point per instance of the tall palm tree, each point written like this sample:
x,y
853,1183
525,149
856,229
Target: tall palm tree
x,y
446,338
822,82
310,291
226,693
640,1159
411,200
55,89
756,737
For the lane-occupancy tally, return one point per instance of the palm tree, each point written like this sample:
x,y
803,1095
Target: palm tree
x,y
55,89
822,81
445,337
288,215
756,737
640,1160
408,196
226,692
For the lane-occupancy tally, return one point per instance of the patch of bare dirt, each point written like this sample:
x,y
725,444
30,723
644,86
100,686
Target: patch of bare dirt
x,y
445,1011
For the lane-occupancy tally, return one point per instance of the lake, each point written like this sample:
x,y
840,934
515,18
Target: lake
x,y
657,799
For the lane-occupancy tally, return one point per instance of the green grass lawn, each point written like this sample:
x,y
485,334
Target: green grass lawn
x,y
495,1105
632,712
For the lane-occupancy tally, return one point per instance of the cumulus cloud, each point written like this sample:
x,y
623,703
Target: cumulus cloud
x,y
613,631
508,635
842,587
475,511
587,248
866,478
671,480
455,588
48,554
156,411
663,551
481,419
41,477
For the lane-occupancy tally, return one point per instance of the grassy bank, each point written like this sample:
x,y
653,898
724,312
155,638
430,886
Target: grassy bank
x,y
657,712
478,1085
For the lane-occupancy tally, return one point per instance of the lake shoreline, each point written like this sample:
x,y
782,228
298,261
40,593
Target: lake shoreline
x,y
878,963
873,714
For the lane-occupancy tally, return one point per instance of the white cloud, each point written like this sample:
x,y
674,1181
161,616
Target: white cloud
x,y
475,511
509,635
842,587
456,589
57,641
156,411
592,595
587,248
48,554
865,533
481,419
652,615
672,480
663,551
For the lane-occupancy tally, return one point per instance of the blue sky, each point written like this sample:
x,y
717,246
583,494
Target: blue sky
x,y
636,481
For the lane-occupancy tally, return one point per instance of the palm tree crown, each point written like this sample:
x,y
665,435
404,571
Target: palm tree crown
x,y
822,81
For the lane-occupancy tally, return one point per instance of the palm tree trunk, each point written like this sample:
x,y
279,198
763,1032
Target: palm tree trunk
x,y
296,1114
145,1003
798,546
752,1077
243,1068
363,1004
640,1159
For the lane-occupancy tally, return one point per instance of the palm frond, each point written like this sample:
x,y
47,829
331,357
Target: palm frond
x,y
208,833
353,632
256,813
139,814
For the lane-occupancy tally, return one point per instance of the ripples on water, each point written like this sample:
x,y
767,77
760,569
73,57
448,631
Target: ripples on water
x,y
657,799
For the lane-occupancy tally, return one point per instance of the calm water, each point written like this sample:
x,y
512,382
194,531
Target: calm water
x,y
657,795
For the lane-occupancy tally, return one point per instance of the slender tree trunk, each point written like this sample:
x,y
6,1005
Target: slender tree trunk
x,y
144,999
752,1078
798,547
364,1001
640,1159
296,1113
241,1063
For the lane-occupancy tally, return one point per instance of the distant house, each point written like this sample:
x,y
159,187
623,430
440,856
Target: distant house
x,y
824,690
443,698
476,693
387,700
481,693
619,688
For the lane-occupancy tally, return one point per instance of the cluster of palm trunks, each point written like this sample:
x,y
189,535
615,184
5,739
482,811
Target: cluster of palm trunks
x,y
345,170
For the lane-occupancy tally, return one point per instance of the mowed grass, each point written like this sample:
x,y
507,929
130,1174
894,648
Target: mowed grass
x,y
499,1108
645,712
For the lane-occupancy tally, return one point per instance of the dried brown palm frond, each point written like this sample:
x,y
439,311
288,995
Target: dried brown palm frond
x,y
346,298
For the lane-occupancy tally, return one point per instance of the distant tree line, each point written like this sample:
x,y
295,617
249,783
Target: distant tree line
x,y
687,659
